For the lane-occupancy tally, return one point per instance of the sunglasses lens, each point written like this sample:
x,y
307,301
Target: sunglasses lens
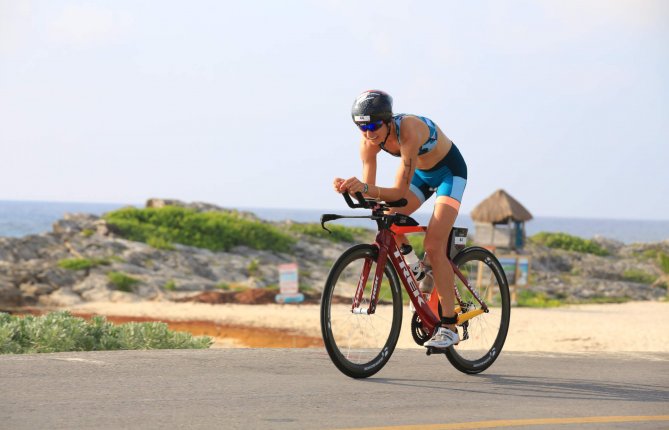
x,y
371,126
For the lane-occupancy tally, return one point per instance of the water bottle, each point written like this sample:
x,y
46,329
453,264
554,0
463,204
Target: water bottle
x,y
413,261
427,284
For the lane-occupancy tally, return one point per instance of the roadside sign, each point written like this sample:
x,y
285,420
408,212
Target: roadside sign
x,y
289,284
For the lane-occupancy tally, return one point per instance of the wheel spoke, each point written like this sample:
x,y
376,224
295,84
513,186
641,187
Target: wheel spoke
x,y
488,330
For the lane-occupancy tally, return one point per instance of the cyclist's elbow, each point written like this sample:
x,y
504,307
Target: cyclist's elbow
x,y
395,194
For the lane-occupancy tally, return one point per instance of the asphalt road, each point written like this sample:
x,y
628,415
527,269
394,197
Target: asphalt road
x,y
301,388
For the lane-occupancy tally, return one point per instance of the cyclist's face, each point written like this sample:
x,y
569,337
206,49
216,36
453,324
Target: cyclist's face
x,y
377,135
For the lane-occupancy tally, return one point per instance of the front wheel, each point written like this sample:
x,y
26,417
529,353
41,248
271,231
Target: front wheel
x,y
482,336
360,344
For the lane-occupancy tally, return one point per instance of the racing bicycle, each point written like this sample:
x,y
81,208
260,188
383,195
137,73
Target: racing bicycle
x,y
362,302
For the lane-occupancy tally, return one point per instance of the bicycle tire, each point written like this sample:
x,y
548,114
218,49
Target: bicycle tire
x,y
355,353
479,352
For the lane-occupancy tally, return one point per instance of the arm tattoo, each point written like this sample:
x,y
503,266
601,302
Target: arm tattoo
x,y
408,170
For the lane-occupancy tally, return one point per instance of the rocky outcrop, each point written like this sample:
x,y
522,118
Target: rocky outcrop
x,y
628,273
30,273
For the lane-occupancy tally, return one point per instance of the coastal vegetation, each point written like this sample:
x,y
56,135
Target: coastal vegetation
x,y
61,332
569,243
536,299
640,276
663,259
216,231
82,263
121,281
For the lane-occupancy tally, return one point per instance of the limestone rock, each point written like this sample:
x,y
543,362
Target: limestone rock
x,y
62,297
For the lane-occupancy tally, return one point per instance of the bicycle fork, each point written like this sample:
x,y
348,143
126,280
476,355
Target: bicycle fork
x,y
376,285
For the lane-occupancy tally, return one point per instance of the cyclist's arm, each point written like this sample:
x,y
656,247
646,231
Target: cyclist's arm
x,y
368,154
410,137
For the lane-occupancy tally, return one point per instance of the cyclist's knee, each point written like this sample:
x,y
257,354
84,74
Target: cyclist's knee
x,y
435,247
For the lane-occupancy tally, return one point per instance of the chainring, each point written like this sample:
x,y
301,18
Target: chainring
x,y
417,332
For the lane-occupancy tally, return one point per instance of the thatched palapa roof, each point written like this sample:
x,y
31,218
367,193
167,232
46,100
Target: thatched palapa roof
x,y
499,208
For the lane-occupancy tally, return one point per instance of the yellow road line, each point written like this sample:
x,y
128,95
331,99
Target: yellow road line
x,y
523,422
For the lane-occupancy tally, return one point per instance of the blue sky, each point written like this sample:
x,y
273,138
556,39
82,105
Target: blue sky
x,y
565,104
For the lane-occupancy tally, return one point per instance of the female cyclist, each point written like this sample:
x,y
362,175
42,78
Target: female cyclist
x,y
430,162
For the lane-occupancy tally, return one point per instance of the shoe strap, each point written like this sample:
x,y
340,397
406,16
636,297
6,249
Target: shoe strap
x,y
449,320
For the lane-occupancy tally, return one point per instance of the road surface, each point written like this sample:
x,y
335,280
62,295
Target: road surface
x,y
301,388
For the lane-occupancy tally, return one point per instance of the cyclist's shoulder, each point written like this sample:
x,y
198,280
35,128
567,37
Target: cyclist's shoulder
x,y
411,121
412,128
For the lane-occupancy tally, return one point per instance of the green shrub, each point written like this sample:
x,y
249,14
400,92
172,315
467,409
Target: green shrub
x,y
216,231
87,232
650,253
664,262
636,275
569,243
232,287
170,285
82,263
61,332
253,267
159,242
339,233
121,281
534,299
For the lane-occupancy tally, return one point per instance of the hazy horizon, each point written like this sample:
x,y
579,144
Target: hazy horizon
x,y
342,208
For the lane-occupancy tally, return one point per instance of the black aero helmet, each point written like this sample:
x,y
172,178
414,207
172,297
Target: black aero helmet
x,y
372,106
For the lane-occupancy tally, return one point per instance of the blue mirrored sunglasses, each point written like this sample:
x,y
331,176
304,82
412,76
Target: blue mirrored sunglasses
x,y
372,126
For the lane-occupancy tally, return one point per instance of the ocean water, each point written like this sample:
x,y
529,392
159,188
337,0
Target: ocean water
x,y
20,218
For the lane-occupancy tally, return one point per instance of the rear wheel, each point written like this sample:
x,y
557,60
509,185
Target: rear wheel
x,y
360,344
482,336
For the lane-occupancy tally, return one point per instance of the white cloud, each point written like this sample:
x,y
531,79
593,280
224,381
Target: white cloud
x,y
87,25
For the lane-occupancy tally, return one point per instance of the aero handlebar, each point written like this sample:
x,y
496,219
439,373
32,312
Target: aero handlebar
x,y
378,208
370,203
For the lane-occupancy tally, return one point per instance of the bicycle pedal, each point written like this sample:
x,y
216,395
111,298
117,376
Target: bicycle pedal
x,y
432,350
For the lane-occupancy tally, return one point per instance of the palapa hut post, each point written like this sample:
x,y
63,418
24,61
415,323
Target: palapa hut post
x,y
499,221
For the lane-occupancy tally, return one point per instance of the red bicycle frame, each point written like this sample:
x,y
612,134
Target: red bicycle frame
x,y
385,241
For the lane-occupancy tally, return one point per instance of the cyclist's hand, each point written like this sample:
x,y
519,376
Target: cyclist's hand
x,y
337,185
352,185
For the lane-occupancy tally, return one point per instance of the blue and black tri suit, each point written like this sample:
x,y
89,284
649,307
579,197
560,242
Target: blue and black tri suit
x,y
448,177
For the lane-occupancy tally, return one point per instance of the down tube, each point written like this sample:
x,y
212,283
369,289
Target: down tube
x,y
378,277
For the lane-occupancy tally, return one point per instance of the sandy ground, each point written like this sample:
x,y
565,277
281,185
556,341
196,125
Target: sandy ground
x,y
635,326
